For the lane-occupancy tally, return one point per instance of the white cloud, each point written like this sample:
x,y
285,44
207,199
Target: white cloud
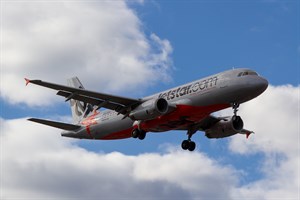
x,y
102,42
37,163
274,116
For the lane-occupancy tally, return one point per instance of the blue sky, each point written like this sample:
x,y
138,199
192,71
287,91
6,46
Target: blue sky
x,y
198,38
209,36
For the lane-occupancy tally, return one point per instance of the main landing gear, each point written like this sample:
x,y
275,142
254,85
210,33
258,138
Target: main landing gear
x,y
189,144
136,133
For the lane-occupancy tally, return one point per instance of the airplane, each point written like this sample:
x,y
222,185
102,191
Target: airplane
x,y
188,107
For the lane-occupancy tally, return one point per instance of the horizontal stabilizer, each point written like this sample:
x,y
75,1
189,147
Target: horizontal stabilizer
x,y
60,125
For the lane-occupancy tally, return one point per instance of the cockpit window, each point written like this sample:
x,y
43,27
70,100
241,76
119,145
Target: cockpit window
x,y
252,73
245,73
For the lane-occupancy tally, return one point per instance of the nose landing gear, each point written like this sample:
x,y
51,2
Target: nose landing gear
x,y
235,117
235,107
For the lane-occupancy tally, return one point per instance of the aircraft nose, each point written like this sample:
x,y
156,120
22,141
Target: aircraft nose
x,y
260,84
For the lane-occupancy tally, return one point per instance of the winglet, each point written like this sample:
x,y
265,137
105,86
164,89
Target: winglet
x,y
27,81
248,134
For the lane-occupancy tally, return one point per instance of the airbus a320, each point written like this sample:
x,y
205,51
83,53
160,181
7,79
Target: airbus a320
x,y
188,107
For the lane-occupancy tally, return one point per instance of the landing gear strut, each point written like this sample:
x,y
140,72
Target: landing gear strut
x,y
136,133
236,119
189,144
235,107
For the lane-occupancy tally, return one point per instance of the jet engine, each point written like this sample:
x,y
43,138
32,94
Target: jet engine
x,y
150,109
225,128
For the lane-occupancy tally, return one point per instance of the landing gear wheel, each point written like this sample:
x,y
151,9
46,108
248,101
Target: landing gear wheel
x,y
142,135
188,145
135,133
185,144
192,146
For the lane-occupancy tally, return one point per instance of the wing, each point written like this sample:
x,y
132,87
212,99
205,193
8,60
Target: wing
x,y
204,124
212,120
60,125
208,122
117,103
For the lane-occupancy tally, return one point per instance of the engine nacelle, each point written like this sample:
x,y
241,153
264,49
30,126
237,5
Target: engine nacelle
x,y
150,109
225,128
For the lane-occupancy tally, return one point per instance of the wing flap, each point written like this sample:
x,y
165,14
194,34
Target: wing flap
x,y
60,125
95,102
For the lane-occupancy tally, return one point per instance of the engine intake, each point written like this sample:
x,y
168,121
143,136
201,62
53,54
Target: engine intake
x,y
150,109
225,128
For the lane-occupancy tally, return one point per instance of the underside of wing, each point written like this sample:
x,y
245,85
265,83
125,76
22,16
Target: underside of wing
x,y
208,122
220,127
